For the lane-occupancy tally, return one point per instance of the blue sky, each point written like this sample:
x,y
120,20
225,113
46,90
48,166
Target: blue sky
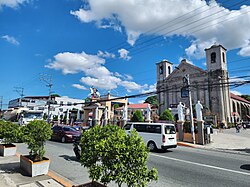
x,y
114,44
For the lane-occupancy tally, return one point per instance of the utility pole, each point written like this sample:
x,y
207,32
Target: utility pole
x,y
186,80
48,80
19,90
1,106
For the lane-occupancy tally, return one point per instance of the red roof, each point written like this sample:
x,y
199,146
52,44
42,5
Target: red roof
x,y
136,106
236,97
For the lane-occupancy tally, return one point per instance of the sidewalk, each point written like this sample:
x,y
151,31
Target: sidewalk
x,y
227,140
12,176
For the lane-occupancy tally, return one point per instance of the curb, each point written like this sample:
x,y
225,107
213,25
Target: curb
x,y
185,144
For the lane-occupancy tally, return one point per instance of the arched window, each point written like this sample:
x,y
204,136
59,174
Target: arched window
x,y
223,57
169,70
161,69
213,57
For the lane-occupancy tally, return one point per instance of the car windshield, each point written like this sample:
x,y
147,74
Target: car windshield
x,y
69,129
33,115
127,126
169,129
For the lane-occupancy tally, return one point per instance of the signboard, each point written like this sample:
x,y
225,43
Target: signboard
x,y
184,91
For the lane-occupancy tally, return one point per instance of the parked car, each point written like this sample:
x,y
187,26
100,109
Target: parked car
x,y
65,134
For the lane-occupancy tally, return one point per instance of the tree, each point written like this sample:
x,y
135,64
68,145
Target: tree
x,y
152,100
166,115
116,106
247,97
137,116
9,132
35,135
112,155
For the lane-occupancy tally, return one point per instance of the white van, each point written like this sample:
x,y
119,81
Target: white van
x,y
155,135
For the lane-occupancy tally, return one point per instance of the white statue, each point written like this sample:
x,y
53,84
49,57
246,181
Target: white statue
x,y
198,108
124,113
94,93
148,113
97,113
105,113
180,109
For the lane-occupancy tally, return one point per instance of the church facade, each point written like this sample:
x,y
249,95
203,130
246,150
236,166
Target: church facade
x,y
210,86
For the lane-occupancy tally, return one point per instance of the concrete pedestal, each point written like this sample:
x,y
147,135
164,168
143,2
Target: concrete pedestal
x,y
200,125
180,130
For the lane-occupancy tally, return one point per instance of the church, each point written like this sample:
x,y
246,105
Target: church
x,y
210,87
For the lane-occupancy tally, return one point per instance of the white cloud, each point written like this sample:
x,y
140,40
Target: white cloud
x,y
95,73
150,88
245,51
235,92
141,101
80,87
12,3
10,39
105,54
206,25
124,54
71,63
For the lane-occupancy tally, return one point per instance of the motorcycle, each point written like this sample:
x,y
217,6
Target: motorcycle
x,y
77,149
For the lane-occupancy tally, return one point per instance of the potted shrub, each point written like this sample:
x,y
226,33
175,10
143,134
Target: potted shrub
x,y
35,134
9,133
112,155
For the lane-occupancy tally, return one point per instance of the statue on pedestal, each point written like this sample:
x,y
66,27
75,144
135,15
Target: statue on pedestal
x,y
124,113
198,108
180,109
148,118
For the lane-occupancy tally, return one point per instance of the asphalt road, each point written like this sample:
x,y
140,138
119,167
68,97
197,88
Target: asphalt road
x,y
178,167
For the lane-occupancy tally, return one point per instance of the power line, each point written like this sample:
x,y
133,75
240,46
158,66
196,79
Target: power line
x,y
139,50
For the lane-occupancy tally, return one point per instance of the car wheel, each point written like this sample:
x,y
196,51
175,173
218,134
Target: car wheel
x,y
152,146
63,139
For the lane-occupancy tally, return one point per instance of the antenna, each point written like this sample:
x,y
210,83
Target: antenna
x,y
48,80
19,90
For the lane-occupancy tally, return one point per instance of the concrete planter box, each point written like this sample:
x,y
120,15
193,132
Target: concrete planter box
x,y
7,149
34,168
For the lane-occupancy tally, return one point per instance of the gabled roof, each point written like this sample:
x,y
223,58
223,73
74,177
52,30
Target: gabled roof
x,y
183,66
236,97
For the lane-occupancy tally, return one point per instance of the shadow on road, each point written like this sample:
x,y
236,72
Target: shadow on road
x,y
69,158
10,167
162,151
243,150
245,167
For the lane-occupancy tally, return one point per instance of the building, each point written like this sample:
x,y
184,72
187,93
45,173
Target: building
x,y
133,107
59,105
210,87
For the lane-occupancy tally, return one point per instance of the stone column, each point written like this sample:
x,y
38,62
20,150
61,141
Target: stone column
x,y
200,125
180,130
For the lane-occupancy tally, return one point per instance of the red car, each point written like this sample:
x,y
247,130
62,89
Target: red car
x,y
65,134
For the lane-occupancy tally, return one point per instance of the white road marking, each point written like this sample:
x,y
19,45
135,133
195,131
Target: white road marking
x,y
203,165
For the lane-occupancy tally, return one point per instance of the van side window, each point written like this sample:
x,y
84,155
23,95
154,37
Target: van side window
x,y
154,129
127,126
169,130
140,128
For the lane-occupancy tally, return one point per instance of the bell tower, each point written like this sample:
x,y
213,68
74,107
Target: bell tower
x,y
219,97
164,69
216,58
